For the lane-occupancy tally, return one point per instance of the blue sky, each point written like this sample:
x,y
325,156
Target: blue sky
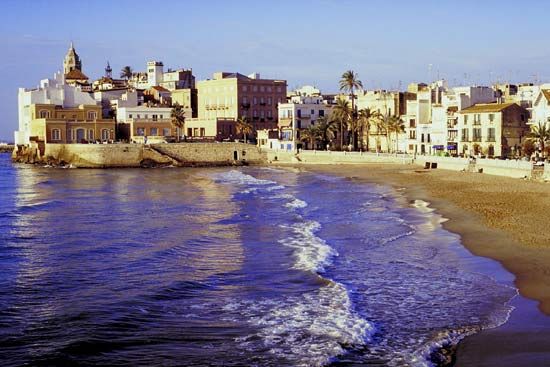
x,y
389,43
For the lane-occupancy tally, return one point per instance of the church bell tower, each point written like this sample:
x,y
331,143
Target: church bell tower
x,y
72,61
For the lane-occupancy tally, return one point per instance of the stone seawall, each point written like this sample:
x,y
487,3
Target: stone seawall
x,y
139,155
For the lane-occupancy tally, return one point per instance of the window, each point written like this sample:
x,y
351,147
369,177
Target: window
x,y
140,131
491,134
262,113
189,132
299,124
44,114
412,134
313,112
138,116
245,100
154,131
160,117
476,134
269,114
522,117
465,135
269,89
279,90
166,132
262,88
262,101
130,116
202,131
254,101
465,119
477,119
155,118
90,134
269,101
92,115
299,112
56,134
255,88
491,117
321,113
412,123
196,131
245,88
104,134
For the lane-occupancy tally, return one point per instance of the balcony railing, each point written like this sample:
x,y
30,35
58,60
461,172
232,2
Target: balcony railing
x,y
464,139
476,139
491,139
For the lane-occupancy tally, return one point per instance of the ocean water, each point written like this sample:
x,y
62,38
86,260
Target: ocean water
x,y
230,267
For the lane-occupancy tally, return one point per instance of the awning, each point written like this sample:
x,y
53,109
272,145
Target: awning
x,y
438,147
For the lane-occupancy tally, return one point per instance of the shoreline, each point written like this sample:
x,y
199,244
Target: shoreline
x,y
480,209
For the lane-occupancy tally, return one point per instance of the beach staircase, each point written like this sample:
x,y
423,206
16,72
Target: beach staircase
x,y
159,155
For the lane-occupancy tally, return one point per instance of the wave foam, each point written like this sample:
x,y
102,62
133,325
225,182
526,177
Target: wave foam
x,y
312,253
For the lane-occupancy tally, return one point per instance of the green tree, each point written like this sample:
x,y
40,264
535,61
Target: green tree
x,y
395,125
349,83
244,127
341,113
541,134
311,134
177,116
126,73
364,118
528,147
326,128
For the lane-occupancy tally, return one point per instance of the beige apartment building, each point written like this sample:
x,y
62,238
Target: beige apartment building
x,y
493,129
230,96
55,124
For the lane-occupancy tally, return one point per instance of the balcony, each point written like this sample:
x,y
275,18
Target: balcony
x,y
476,139
464,139
245,106
477,122
491,139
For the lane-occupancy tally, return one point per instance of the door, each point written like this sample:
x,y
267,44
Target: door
x,y
80,135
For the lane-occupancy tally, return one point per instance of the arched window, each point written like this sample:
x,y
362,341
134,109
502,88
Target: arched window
x,y
92,115
104,134
91,134
44,114
56,134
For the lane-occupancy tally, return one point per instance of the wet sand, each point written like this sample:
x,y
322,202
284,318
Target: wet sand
x,y
501,218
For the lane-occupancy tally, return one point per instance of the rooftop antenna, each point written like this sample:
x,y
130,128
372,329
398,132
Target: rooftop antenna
x,y
430,73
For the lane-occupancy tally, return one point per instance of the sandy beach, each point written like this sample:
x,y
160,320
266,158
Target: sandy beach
x,y
501,218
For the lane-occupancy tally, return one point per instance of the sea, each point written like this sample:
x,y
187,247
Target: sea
x,y
247,266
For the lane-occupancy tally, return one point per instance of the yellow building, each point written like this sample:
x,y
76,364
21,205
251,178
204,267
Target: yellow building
x,y
55,124
233,95
187,98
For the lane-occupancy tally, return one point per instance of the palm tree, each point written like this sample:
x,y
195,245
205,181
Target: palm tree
x,y
178,119
395,124
349,83
342,114
244,127
541,134
326,128
310,134
126,73
364,118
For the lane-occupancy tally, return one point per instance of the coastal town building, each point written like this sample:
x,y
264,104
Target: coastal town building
x,y
492,129
305,108
143,124
83,124
187,99
541,108
107,82
50,92
155,76
113,99
72,70
234,96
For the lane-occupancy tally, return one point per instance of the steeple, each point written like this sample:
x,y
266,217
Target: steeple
x,y
108,71
71,61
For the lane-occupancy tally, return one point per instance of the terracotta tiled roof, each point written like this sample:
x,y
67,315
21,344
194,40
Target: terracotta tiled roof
x,y
75,74
488,107
160,89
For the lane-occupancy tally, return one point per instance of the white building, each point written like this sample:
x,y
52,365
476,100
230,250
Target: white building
x,y
113,99
154,73
540,112
50,91
306,106
143,113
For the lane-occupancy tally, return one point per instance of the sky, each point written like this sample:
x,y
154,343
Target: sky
x,y
388,43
